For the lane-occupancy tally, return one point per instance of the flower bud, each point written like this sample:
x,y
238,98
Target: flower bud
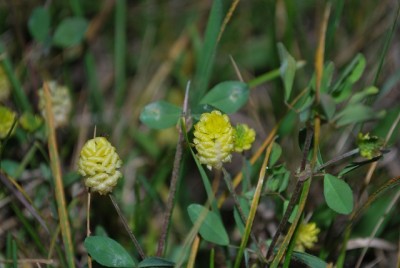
x,y
244,137
99,163
307,236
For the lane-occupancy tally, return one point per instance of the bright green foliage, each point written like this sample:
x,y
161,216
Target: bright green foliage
x,y
211,227
160,114
338,194
108,252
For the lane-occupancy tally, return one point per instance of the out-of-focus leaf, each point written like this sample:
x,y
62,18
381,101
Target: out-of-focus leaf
x,y
70,32
108,252
160,114
227,96
39,24
287,69
359,96
351,73
338,194
211,229
309,260
275,154
328,106
355,114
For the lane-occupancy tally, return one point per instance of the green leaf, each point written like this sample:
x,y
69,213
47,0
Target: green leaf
x,y
155,262
355,114
309,260
275,154
108,252
197,111
351,73
70,32
359,96
328,106
10,167
287,69
211,229
227,96
160,114
338,194
39,24
279,179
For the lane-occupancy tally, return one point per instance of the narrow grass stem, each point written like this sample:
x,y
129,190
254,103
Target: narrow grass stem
x,y
125,223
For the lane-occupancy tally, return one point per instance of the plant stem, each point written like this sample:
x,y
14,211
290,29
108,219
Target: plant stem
x,y
296,193
125,223
88,224
174,180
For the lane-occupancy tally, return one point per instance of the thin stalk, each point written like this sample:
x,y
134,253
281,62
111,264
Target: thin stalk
x,y
174,180
88,232
125,223
193,252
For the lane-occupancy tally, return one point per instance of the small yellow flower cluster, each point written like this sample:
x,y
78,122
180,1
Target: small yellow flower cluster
x,y
30,122
307,236
7,118
215,139
99,163
61,103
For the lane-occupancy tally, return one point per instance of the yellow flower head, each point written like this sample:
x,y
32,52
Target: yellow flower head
x,y
7,118
61,103
99,163
214,139
244,137
4,85
307,236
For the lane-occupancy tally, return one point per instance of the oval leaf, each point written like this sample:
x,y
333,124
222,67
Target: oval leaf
x,y
108,252
355,114
70,32
39,24
227,96
338,194
287,69
155,262
160,115
211,229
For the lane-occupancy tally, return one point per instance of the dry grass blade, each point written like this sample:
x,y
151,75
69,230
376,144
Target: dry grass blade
x,y
56,170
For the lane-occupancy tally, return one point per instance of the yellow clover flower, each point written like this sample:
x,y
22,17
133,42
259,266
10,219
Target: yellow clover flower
x,y
214,139
99,163
369,145
307,236
7,118
244,137
61,103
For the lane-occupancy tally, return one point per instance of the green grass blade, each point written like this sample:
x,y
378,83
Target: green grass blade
x,y
20,97
120,52
205,62
253,208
